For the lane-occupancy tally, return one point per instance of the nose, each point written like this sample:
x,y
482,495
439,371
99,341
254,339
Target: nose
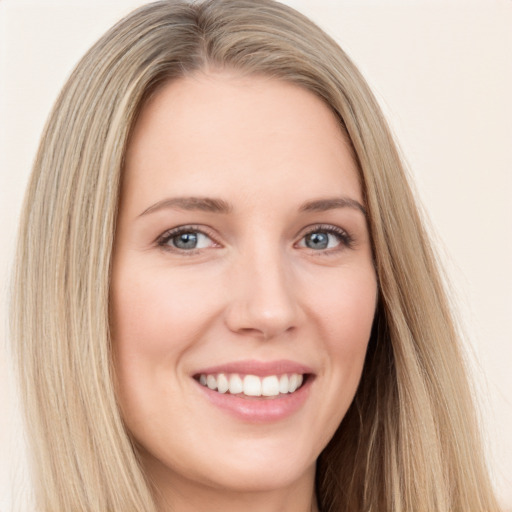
x,y
263,300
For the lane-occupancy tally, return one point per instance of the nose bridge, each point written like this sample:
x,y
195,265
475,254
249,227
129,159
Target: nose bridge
x,y
264,301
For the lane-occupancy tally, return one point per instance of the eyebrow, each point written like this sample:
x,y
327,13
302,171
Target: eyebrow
x,y
213,205
323,205
204,204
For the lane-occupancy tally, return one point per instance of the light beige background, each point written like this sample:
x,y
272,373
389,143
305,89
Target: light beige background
x,y
442,71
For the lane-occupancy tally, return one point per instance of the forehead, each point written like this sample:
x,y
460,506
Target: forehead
x,y
206,132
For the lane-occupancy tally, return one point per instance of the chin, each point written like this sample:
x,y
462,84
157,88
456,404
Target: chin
x,y
259,467
266,477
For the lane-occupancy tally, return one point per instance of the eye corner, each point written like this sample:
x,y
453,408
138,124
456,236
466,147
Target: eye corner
x,y
324,242
195,239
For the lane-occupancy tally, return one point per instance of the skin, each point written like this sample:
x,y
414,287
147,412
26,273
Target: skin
x,y
253,289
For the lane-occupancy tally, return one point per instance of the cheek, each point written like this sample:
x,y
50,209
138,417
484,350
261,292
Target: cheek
x,y
346,318
344,312
155,320
347,309
155,313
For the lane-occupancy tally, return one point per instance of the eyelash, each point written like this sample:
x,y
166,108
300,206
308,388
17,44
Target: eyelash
x,y
164,239
344,238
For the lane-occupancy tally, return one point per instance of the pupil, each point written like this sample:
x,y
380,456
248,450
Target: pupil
x,y
317,241
186,241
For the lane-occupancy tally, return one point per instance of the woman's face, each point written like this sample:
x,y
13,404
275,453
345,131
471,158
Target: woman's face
x,y
242,267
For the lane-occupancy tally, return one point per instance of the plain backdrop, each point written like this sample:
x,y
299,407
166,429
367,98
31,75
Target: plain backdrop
x,y
442,71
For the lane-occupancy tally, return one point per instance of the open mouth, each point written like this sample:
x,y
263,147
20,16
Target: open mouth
x,y
270,386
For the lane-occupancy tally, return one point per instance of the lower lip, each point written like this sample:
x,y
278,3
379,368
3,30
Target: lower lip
x,y
259,409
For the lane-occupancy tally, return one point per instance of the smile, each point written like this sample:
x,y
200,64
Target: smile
x,y
256,391
253,385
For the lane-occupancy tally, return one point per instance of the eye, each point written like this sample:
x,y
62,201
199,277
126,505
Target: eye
x,y
322,238
186,238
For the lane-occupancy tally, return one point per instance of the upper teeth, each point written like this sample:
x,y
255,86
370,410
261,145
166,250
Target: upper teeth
x,y
252,385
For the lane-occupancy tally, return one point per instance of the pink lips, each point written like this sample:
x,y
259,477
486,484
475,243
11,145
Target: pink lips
x,y
259,368
258,409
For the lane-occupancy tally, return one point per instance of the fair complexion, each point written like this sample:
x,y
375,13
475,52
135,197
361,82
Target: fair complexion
x,y
242,249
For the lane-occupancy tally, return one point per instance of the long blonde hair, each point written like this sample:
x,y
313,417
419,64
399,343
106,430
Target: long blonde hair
x,y
409,441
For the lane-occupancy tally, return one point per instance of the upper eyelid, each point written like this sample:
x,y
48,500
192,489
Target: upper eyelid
x,y
169,233
205,229
184,228
322,227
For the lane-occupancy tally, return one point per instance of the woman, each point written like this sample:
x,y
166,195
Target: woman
x,y
225,297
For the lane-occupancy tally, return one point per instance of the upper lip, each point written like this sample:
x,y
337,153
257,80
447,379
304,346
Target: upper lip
x,y
258,368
